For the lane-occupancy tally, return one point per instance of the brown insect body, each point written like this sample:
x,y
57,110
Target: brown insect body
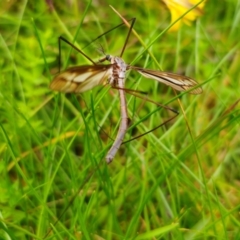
x,y
83,78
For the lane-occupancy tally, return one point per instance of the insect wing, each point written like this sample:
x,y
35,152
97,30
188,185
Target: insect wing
x,y
81,78
176,81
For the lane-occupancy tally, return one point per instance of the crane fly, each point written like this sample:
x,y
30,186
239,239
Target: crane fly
x,y
79,79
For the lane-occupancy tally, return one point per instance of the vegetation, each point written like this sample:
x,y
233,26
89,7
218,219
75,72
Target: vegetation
x,y
180,181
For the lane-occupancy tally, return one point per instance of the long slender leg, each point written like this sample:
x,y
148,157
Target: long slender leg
x,y
133,92
126,41
119,25
73,46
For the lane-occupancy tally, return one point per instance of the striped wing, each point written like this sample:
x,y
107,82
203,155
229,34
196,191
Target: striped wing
x,y
176,81
81,78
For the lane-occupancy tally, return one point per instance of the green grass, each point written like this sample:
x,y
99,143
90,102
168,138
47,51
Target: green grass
x,y
179,182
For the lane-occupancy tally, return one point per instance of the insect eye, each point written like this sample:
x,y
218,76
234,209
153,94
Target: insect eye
x,y
108,57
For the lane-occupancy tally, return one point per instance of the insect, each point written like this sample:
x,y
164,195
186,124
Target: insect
x,y
79,79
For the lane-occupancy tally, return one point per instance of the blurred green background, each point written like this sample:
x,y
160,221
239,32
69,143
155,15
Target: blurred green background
x,y
180,181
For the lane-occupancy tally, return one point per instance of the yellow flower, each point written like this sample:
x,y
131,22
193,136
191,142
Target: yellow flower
x,y
179,7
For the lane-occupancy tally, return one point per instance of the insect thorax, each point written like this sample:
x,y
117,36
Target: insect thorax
x,y
118,71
